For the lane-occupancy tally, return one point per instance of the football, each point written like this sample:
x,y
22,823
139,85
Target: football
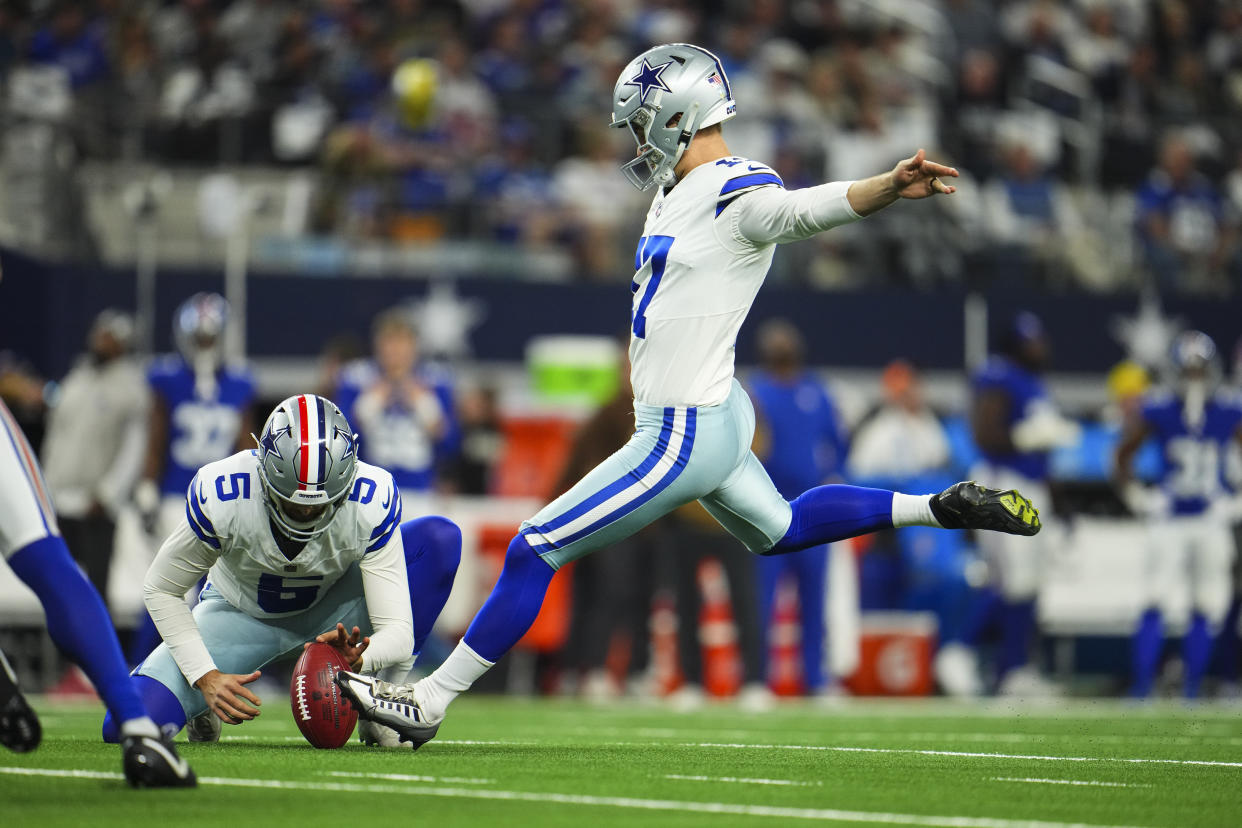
x,y
323,715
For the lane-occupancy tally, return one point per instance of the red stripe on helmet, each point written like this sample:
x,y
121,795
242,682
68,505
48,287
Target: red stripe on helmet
x,y
303,434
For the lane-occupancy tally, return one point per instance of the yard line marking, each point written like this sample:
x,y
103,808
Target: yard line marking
x,y
409,777
733,809
737,779
969,754
924,736
1088,782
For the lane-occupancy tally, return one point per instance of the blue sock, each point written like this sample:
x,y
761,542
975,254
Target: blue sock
x,y
1017,630
514,603
162,706
1146,645
78,621
1196,650
832,513
432,554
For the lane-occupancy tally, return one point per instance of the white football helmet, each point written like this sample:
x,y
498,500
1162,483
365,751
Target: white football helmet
x,y
307,463
666,95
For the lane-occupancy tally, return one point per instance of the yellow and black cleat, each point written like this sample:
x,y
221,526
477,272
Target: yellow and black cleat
x,y
968,505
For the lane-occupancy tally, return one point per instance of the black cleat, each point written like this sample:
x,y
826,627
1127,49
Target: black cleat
x,y
152,762
968,505
19,726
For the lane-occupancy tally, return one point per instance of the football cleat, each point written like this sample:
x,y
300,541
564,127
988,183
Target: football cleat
x,y
375,734
205,727
391,705
152,762
19,726
968,505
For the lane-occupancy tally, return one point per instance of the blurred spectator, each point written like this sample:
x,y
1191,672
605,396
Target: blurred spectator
x,y
693,537
70,43
93,447
802,445
902,438
597,203
482,442
1182,222
1029,215
402,410
612,589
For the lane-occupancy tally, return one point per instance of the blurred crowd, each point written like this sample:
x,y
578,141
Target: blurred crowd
x,y
1101,140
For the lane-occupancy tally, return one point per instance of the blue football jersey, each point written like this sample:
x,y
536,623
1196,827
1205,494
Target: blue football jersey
x,y
391,433
807,443
1192,470
1027,394
200,431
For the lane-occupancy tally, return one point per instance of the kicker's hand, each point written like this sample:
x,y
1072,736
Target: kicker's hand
x,y
916,177
351,645
228,697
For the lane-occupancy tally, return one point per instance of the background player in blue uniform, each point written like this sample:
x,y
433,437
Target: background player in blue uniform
x,y
1015,425
200,412
1194,425
805,447
200,407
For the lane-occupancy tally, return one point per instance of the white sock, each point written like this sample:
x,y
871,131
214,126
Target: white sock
x,y
913,510
142,726
461,669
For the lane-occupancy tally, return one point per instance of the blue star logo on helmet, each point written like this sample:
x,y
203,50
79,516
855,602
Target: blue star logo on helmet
x,y
337,431
649,79
268,443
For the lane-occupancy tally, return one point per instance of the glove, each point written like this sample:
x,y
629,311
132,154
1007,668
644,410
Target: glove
x,y
1145,501
147,502
1043,431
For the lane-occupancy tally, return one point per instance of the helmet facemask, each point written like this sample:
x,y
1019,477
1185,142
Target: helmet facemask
x,y
652,165
289,524
664,97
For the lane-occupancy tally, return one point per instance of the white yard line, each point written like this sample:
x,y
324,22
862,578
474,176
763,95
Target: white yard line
x,y
966,754
742,780
732,809
1084,782
924,736
409,777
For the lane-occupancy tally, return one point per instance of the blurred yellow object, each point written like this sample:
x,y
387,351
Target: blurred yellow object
x,y
414,84
1127,379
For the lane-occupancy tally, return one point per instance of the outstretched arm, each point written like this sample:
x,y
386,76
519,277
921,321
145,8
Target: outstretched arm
x,y
914,177
771,214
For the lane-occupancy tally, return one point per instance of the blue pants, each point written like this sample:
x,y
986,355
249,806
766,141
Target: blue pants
x,y
809,568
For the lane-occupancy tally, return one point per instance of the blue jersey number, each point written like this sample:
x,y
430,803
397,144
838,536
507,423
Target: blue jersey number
x,y
239,486
364,490
277,594
652,249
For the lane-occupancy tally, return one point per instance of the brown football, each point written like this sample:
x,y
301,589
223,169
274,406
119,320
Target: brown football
x,y
324,716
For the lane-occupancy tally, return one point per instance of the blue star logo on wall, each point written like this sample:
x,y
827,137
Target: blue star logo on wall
x,y
268,443
649,79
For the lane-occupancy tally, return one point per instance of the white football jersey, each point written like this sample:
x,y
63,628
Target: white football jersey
x,y
225,510
694,284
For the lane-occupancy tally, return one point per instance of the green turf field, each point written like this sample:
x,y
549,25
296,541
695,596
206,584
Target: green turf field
x,y
509,762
